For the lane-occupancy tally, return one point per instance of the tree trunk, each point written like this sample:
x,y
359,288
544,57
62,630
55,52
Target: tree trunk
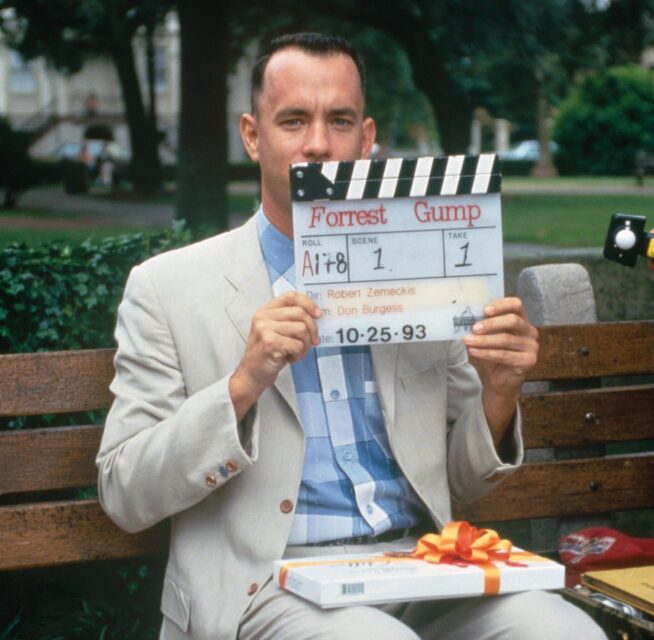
x,y
452,109
453,115
145,166
544,168
451,106
150,66
202,154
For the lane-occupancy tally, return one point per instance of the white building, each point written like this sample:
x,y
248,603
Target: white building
x,y
59,108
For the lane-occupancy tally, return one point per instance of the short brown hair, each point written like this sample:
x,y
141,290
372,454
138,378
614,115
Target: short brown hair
x,y
314,43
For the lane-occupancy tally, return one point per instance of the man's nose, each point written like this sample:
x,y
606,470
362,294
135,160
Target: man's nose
x,y
316,144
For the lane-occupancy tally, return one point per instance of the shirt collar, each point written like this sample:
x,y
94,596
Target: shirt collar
x,y
277,250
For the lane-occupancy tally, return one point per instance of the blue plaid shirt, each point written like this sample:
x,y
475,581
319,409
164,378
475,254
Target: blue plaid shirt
x,y
351,483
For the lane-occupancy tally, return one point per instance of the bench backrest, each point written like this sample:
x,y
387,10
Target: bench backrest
x,y
583,417
37,528
40,528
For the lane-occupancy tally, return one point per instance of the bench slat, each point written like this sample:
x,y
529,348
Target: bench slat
x,y
593,350
52,458
596,416
43,534
69,381
63,457
568,488
55,382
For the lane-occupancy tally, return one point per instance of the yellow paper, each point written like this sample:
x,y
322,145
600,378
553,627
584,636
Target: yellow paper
x,y
635,585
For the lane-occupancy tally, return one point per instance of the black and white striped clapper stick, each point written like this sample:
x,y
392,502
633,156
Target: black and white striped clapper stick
x,y
396,178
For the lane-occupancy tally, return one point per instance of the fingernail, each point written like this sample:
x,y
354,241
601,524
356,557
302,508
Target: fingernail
x,y
489,309
478,327
317,313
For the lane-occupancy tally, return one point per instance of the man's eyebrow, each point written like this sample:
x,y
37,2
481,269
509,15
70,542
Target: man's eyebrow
x,y
294,112
290,112
344,111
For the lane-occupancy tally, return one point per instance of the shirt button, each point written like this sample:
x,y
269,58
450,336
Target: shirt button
x,y
286,506
347,455
231,466
369,508
334,394
211,480
252,589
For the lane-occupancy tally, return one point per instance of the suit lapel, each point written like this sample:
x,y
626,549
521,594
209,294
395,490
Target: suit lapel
x,y
384,362
249,277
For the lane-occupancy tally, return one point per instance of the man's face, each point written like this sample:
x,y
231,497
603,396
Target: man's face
x,y
310,109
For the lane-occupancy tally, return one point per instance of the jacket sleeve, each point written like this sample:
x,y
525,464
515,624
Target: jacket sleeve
x,y
163,451
474,466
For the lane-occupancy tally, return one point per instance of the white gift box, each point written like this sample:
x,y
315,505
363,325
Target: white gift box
x,y
337,581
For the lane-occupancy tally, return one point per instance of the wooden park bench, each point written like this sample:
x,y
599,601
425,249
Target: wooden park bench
x,y
41,525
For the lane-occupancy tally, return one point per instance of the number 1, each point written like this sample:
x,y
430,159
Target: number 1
x,y
465,262
378,252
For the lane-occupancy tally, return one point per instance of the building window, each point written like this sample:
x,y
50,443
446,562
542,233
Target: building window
x,y
160,69
21,76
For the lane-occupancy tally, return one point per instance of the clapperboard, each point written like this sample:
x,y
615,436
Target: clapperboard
x,y
398,249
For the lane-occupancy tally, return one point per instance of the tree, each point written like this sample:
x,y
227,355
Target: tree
x,y
202,152
627,28
420,27
66,32
515,58
543,64
606,121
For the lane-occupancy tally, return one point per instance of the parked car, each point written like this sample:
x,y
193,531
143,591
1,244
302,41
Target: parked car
x,y
527,150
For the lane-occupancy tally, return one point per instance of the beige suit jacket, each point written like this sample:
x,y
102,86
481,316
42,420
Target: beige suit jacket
x,y
171,445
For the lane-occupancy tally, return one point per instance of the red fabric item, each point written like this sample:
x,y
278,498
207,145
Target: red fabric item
x,y
604,548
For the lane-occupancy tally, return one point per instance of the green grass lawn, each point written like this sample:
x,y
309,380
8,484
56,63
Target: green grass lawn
x,y
564,220
560,217
529,183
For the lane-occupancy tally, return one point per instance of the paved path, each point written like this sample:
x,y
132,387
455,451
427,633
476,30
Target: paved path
x,y
91,210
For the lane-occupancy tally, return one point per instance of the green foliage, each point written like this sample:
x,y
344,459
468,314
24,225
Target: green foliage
x,y
99,601
605,121
54,296
402,113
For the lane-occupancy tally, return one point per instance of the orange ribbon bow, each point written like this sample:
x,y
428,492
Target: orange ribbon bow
x,y
461,543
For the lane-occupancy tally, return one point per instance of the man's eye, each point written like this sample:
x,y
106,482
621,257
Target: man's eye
x,y
342,122
292,123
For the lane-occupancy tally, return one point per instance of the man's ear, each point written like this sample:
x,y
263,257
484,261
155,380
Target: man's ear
x,y
250,135
369,135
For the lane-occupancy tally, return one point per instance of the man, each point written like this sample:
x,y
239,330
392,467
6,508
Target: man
x,y
231,420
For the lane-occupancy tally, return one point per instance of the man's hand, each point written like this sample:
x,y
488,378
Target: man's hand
x,y
503,347
282,332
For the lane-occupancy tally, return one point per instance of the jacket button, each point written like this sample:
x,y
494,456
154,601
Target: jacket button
x,y
252,589
211,480
231,466
286,506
